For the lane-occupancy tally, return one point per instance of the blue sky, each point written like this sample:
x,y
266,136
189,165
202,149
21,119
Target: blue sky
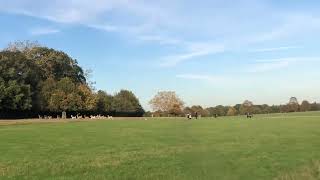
x,y
210,52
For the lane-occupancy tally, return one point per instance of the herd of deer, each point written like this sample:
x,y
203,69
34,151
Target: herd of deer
x,y
77,117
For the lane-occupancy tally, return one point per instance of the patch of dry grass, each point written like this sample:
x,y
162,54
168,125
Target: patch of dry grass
x,y
310,172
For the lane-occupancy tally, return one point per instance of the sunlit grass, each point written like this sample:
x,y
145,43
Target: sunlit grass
x,y
265,147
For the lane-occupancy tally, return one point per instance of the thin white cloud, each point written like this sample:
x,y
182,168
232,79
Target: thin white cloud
x,y
294,25
201,77
267,65
283,48
169,23
105,27
291,59
43,31
196,50
160,39
60,11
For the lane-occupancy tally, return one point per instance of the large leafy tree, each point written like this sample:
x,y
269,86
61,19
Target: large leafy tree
x,y
176,110
246,107
165,101
41,68
18,81
104,102
314,107
221,110
305,106
37,78
232,111
126,102
66,95
56,64
199,110
293,105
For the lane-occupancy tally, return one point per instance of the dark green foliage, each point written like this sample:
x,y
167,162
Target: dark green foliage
x,y
104,102
218,110
35,78
314,107
126,101
305,106
18,81
56,64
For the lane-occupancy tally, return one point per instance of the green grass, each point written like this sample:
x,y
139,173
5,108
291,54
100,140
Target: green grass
x,y
265,147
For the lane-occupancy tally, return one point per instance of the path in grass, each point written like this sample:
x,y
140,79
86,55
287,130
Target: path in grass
x,y
225,148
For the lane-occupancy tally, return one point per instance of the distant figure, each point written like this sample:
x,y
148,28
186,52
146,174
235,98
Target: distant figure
x,y
249,115
196,115
189,116
215,115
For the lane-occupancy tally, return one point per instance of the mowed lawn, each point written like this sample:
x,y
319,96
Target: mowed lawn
x,y
265,147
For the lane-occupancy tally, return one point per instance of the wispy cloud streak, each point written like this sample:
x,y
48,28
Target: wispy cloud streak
x,y
201,77
267,65
43,31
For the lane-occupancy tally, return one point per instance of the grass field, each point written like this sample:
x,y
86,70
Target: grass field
x,y
281,146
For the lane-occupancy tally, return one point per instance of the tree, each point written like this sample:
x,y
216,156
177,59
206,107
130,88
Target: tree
x,y
37,78
232,111
18,81
284,109
148,114
293,105
126,102
56,64
187,110
22,46
212,111
165,101
237,107
198,109
275,109
104,102
221,110
65,95
176,110
265,109
293,100
30,64
88,98
315,107
246,107
14,96
305,106
257,109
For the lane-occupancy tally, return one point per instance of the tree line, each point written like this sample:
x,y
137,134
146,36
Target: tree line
x,y
168,103
35,79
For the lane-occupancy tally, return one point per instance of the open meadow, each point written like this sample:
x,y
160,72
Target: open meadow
x,y
279,146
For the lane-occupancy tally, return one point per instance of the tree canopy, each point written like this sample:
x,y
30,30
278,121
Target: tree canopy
x,y
37,78
165,101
